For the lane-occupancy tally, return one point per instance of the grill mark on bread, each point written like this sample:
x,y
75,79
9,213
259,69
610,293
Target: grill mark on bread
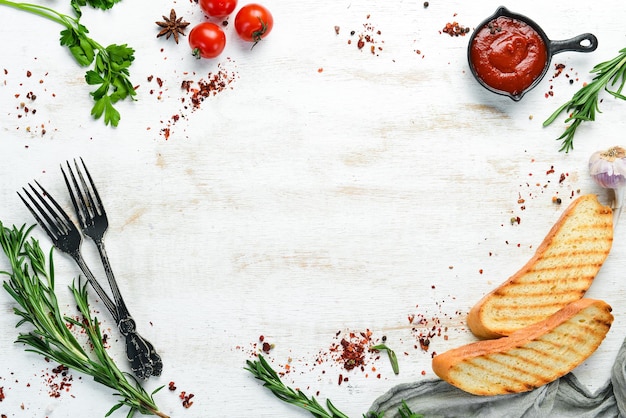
x,y
531,357
515,290
561,271
535,313
510,379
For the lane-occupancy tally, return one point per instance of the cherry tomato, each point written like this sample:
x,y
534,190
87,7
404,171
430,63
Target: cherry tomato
x,y
207,40
218,8
253,22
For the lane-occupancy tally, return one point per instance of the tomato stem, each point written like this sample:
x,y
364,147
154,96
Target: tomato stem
x,y
257,35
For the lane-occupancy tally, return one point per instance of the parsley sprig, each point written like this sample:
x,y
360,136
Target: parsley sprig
x,y
31,284
585,102
109,65
263,371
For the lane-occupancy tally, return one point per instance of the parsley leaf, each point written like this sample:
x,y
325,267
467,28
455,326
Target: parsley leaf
x,y
110,65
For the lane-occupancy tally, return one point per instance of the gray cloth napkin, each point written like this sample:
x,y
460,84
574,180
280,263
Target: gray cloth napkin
x,y
565,397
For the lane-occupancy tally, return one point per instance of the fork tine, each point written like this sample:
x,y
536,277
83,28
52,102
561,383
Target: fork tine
x,y
60,215
95,204
49,214
77,199
40,221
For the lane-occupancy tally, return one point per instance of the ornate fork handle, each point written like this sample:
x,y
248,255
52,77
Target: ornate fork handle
x,y
145,362
144,359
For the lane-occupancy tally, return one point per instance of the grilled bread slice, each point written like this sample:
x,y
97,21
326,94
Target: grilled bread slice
x,y
530,357
559,273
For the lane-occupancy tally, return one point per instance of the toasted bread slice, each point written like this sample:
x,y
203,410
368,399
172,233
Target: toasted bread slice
x,y
559,273
530,357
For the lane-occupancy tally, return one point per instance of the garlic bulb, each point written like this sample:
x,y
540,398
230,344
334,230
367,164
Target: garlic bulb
x,y
608,169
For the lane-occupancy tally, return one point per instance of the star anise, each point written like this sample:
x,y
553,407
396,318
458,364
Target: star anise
x,y
172,26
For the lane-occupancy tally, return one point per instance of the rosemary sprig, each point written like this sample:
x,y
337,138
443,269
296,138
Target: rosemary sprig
x,y
262,371
583,105
31,284
110,65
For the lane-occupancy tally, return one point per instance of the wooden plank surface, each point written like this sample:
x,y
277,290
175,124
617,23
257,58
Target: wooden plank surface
x,y
326,191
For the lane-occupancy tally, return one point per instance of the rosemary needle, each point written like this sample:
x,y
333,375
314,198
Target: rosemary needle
x,y
392,356
31,284
262,370
584,104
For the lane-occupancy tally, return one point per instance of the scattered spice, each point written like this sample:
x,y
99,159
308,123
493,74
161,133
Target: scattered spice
x,y
560,69
455,29
193,93
351,350
186,398
171,386
29,90
367,36
1,393
172,26
59,381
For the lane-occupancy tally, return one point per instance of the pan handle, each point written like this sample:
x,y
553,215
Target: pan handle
x,y
586,42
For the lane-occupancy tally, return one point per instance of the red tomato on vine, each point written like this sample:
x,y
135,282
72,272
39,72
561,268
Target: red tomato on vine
x,y
207,40
218,8
253,22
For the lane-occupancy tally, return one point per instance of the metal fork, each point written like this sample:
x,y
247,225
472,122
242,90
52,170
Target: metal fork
x,y
64,235
94,223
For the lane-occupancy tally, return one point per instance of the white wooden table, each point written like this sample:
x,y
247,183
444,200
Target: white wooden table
x,y
329,190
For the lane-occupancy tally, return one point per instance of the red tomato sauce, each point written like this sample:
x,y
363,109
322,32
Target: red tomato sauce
x,y
508,55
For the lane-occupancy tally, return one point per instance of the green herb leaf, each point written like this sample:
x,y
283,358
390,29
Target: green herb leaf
x,y
31,284
585,102
392,356
110,71
262,371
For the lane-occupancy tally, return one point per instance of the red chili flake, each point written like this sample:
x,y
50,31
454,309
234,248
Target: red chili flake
x,y
558,69
368,36
562,178
361,43
28,73
2,393
195,92
353,348
172,386
455,29
187,402
58,382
